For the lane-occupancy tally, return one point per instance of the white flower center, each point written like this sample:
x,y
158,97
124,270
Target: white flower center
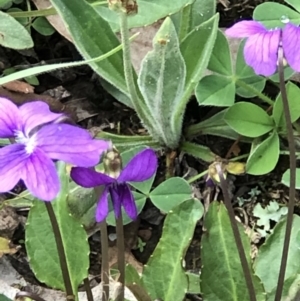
x,y
29,142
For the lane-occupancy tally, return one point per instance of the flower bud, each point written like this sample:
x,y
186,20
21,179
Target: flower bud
x,y
112,162
126,6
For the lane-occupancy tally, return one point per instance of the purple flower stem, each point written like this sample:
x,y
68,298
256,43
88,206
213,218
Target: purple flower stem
x,y
121,256
61,252
292,150
104,261
236,234
87,288
104,252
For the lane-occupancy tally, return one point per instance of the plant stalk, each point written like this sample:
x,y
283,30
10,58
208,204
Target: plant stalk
x,y
121,256
236,234
87,288
61,252
292,149
104,261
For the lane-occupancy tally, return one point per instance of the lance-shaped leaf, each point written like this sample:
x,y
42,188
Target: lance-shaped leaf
x,y
220,259
40,241
163,276
93,36
161,81
196,49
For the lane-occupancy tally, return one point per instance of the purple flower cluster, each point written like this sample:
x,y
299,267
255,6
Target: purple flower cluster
x,y
40,137
261,48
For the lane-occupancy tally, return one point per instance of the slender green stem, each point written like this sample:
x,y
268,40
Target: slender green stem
x,y
185,22
61,252
197,177
259,94
236,234
87,288
128,70
121,256
292,149
104,261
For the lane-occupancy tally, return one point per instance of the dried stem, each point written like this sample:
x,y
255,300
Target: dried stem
x,y
236,234
61,252
292,150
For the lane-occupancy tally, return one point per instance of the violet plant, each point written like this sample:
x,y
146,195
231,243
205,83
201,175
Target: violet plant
x,y
159,94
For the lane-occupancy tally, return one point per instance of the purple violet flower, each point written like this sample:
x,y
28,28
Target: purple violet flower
x,y
140,168
39,140
261,48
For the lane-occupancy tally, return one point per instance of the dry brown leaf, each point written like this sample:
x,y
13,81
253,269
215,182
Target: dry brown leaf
x,y
19,86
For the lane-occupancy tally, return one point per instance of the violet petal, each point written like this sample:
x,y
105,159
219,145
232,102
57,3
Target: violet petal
x,y
245,29
291,45
12,160
10,120
88,178
102,206
70,144
40,176
128,202
36,113
140,168
261,52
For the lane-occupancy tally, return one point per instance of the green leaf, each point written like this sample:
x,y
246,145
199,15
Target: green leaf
x,y
171,282
40,241
3,3
196,49
248,119
220,256
140,201
290,289
220,61
170,194
215,125
149,12
254,84
4,298
293,95
202,10
264,156
93,36
198,151
294,3
13,34
42,26
193,283
161,82
286,178
134,283
277,14
215,90
265,215
267,263
23,21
